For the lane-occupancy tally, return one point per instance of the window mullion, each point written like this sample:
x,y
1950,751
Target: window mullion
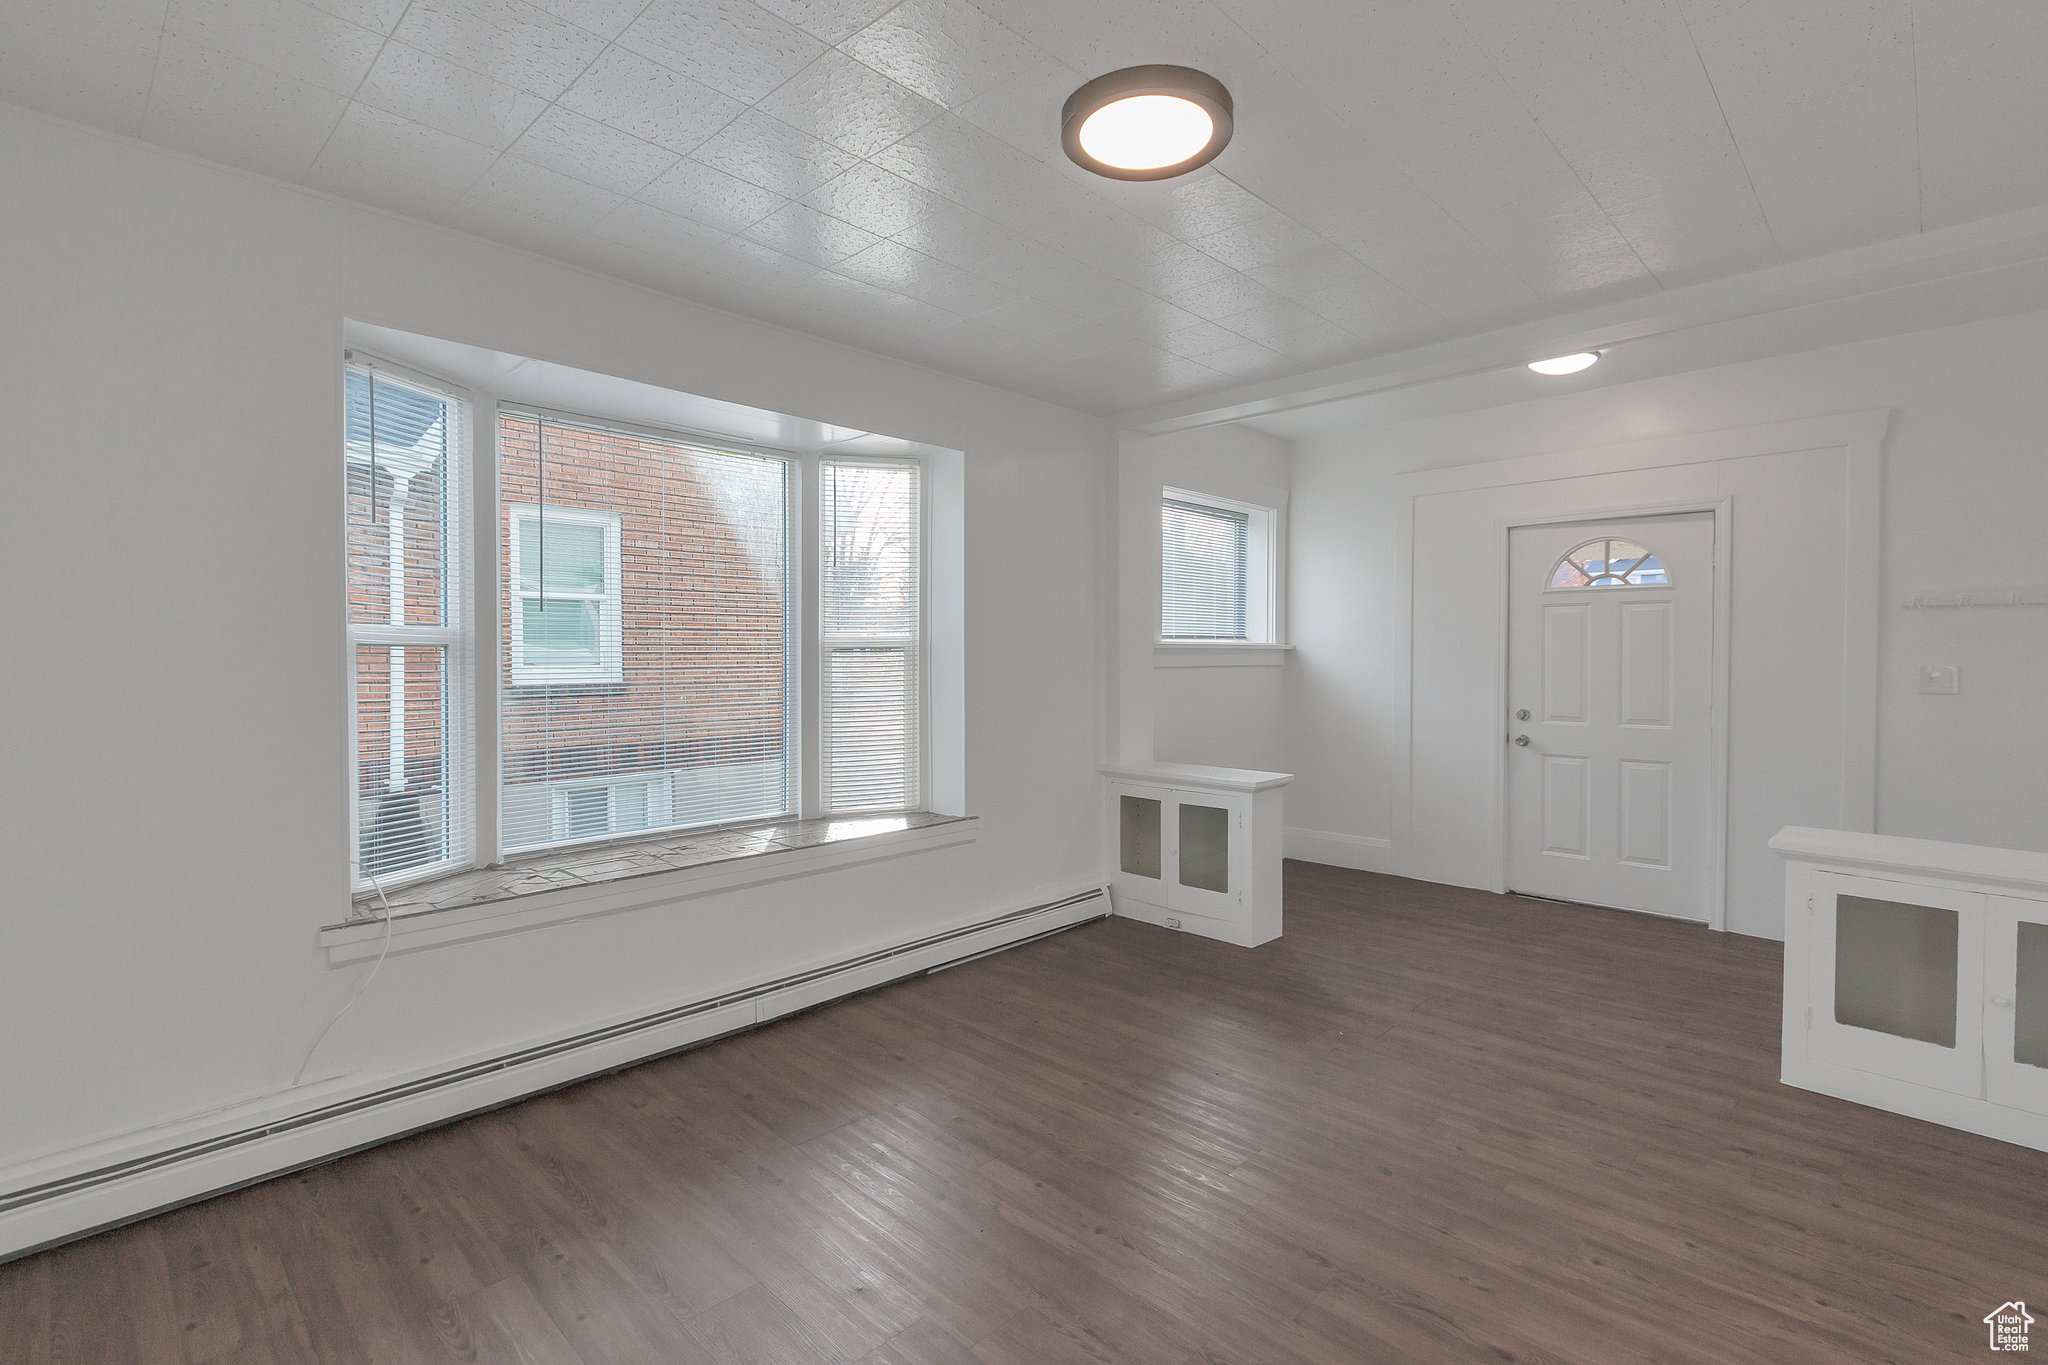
x,y
484,643
806,561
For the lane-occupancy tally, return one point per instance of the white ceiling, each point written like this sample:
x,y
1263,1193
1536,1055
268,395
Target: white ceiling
x,y
890,174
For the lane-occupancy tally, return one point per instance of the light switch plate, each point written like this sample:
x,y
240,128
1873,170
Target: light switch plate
x,y
1941,680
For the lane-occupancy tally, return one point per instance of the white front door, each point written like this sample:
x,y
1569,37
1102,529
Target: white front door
x,y
1610,712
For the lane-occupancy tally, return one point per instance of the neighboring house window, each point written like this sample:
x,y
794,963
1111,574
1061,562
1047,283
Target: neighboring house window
x,y
1216,570
649,671
565,619
401,453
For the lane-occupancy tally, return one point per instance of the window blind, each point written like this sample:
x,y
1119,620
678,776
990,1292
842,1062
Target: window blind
x,y
1203,561
402,450
645,625
870,608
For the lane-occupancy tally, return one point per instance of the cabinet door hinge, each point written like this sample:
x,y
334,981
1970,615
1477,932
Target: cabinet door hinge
x,y
1809,1018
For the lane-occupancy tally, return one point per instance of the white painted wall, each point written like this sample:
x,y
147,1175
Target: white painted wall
x,y
1227,715
174,777
1965,491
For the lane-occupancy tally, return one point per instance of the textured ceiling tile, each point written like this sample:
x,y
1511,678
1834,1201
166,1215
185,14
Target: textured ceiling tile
x,y
381,15
1024,110
211,104
287,37
88,63
1820,97
1618,87
622,261
730,45
1025,317
1195,206
1094,37
711,197
831,20
595,153
427,89
959,236
969,167
646,99
945,50
849,105
811,236
605,18
657,232
496,223
870,197
754,264
1682,201
1248,361
1289,329
1220,298
1983,108
370,137
1269,240
768,152
892,266
396,164
510,41
537,192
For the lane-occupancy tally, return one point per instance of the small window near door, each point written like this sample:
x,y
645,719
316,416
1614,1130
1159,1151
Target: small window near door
x,y
1610,564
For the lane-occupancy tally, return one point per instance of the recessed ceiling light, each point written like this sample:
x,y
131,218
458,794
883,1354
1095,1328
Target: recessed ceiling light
x,y
1566,364
1146,122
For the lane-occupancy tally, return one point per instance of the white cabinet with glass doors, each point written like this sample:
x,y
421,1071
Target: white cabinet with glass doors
x,y
1916,978
1197,848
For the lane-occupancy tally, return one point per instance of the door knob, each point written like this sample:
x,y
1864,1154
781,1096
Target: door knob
x,y
1521,741
1522,714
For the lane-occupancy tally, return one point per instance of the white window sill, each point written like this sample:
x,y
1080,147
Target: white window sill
x,y
1218,654
580,883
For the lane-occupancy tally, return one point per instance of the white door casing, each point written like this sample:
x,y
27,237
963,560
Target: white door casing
x,y
1609,801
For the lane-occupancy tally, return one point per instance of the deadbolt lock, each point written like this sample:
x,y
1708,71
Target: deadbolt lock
x,y
1522,714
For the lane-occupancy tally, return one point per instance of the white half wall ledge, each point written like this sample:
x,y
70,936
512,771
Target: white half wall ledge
x,y
2010,867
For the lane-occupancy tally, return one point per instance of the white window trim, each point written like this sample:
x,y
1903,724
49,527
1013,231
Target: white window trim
x,y
610,669
817,755
477,572
451,635
1265,532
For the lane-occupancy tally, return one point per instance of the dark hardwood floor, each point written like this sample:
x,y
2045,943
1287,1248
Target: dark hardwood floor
x,y
1426,1125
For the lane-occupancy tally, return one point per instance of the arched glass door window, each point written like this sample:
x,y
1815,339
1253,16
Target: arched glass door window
x,y
1610,563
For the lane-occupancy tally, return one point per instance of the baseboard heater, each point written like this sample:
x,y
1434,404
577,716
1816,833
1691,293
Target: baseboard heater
x,y
611,1048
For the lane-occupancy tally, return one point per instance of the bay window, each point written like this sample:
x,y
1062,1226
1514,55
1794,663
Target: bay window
x,y
672,633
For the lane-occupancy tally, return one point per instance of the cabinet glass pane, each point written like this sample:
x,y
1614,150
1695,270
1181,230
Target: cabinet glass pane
x,y
1204,847
1895,968
2030,997
1138,836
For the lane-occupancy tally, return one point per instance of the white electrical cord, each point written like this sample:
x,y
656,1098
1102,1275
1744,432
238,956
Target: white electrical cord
x,y
361,986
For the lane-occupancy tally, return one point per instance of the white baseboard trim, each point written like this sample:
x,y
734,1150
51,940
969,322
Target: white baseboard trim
x,y
1972,1115
1358,851
59,1198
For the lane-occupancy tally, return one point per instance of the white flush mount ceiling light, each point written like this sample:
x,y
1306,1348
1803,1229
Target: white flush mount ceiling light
x,y
1146,122
1566,364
